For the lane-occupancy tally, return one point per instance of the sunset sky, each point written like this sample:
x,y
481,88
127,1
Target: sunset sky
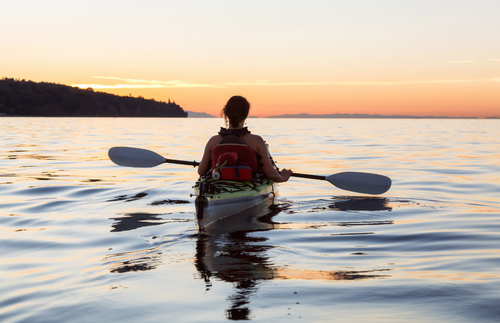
x,y
410,57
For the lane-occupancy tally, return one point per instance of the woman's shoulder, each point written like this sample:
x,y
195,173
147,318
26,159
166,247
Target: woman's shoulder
x,y
214,140
253,137
255,141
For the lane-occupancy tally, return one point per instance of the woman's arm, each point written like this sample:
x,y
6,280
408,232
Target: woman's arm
x,y
268,167
205,160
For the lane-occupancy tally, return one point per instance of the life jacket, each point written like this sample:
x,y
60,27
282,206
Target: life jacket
x,y
246,164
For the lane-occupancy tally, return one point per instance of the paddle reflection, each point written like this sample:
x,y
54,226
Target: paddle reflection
x,y
133,261
145,259
361,204
132,221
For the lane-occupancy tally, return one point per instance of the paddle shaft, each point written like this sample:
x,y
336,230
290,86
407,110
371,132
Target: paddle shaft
x,y
182,162
309,176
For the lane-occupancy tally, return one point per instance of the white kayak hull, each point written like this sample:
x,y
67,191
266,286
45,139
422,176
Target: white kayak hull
x,y
226,198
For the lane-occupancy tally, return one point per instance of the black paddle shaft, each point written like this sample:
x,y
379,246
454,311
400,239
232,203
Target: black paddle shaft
x,y
309,176
182,162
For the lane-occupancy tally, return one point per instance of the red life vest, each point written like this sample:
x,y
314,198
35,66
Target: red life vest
x,y
242,161
231,143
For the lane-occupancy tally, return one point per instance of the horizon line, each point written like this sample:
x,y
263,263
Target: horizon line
x,y
304,115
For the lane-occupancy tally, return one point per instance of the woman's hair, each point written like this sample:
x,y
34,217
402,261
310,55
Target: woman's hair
x,y
235,111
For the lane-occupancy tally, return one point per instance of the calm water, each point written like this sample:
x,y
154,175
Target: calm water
x,y
84,240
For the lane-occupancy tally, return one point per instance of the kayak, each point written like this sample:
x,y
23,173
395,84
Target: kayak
x,y
219,199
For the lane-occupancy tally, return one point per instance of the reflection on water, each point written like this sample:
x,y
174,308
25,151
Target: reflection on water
x,y
232,251
128,198
133,261
134,221
342,203
84,240
235,258
361,204
145,259
227,252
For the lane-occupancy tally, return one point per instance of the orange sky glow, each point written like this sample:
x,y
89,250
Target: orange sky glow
x,y
439,58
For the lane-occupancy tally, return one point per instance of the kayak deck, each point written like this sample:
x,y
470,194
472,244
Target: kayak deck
x,y
219,199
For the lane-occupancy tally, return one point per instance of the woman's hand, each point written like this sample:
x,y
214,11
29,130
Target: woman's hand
x,y
286,173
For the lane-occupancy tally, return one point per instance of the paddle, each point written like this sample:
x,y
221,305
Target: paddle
x,y
366,183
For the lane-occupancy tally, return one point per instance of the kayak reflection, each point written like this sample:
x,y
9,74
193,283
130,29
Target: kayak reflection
x,y
231,250
226,251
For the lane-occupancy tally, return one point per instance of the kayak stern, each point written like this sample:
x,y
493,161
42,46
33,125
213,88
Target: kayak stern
x,y
220,199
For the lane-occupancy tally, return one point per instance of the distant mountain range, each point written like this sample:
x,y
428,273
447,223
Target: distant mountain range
x,y
192,114
361,116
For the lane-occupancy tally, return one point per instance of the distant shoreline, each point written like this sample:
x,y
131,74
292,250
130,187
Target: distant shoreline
x,y
20,98
339,116
366,116
113,117
30,99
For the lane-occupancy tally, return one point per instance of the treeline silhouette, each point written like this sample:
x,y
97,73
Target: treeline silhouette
x,y
27,98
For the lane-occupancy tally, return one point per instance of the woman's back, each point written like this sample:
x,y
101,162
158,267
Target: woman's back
x,y
235,113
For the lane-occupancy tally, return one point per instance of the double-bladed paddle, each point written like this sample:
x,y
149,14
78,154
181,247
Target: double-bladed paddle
x,y
359,182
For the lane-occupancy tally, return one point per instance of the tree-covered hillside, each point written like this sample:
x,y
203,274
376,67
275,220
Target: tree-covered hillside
x,y
27,98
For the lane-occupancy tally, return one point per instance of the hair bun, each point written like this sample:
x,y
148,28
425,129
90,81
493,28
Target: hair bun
x,y
236,110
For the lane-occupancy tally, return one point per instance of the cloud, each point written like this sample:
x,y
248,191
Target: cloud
x,y
495,59
463,62
141,84
150,84
269,83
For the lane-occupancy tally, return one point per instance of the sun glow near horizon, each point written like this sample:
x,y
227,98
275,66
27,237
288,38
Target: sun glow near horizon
x,y
388,97
385,57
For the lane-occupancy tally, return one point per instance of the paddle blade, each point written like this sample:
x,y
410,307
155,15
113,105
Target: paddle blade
x,y
361,182
135,157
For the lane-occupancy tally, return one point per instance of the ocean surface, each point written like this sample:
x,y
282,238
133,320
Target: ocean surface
x,y
85,240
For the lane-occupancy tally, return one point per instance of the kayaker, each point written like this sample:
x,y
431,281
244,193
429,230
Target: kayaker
x,y
235,113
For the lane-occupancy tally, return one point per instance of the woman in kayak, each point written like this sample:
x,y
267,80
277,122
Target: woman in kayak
x,y
235,113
